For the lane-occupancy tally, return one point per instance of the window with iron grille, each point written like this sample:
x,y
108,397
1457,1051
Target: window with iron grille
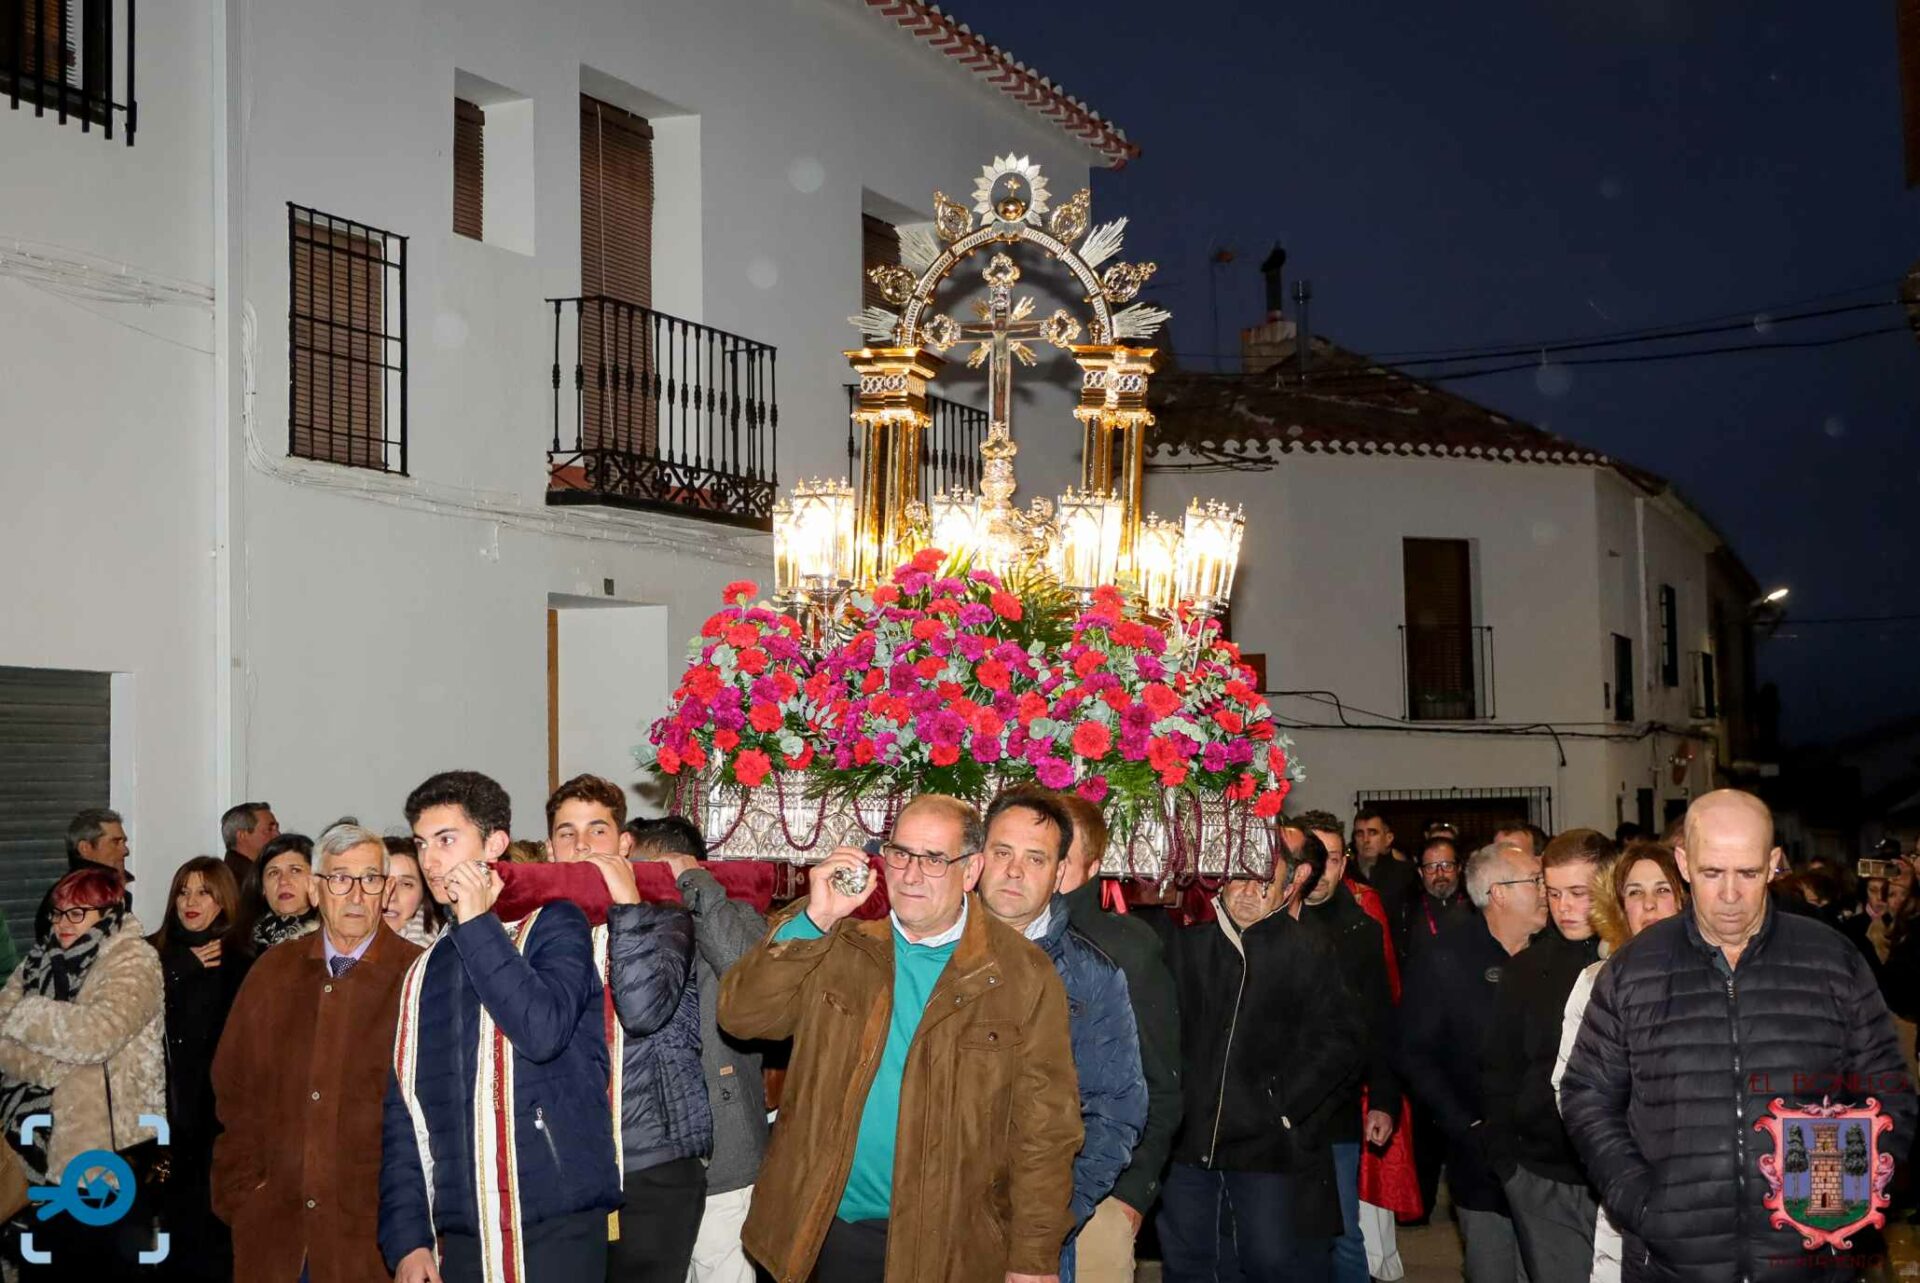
x,y
1622,689
346,342
469,169
879,247
58,57
1669,636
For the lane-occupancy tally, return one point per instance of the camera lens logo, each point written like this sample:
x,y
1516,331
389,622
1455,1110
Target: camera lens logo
x,y
97,1188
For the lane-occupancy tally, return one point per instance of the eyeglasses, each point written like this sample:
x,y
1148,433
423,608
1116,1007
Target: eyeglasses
x,y
75,915
1537,880
1439,866
342,883
932,863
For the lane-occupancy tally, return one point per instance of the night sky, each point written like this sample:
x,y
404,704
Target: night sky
x,y
1555,169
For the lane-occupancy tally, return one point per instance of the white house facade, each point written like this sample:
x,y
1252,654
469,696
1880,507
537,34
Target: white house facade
x,y
403,396
1462,616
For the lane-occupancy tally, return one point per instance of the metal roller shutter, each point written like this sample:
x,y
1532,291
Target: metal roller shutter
x,y
54,757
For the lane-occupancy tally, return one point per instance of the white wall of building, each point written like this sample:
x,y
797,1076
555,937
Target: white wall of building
x,y
107,437
1321,594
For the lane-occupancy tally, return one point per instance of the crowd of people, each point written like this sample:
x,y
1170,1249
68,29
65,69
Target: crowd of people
x,y
374,1066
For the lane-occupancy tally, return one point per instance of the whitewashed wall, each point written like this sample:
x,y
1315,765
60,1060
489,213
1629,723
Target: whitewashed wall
x,y
1321,593
107,433
777,122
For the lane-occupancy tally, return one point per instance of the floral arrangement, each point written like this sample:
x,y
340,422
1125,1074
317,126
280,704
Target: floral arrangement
x,y
952,680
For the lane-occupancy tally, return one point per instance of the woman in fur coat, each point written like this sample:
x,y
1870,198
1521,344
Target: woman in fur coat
x,y
81,1027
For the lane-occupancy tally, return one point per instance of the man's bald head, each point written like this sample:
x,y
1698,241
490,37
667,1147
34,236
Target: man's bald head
x,y
1732,813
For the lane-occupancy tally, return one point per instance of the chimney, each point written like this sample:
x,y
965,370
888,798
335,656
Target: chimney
x,y
1303,342
1264,346
1273,269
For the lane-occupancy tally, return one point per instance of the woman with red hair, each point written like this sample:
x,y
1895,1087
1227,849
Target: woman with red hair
x,y
80,1040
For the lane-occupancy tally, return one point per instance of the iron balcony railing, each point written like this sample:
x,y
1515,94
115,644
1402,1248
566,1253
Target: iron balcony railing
x,y
1446,672
72,59
652,411
949,449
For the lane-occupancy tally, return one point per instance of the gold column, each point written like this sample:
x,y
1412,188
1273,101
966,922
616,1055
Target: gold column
x,y
892,413
1113,412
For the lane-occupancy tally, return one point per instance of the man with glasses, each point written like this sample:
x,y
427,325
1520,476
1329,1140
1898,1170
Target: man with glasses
x,y
930,1118
1446,1014
299,1075
1553,1210
1441,902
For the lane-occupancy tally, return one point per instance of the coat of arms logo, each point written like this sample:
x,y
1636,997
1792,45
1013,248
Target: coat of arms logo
x,y
1826,1176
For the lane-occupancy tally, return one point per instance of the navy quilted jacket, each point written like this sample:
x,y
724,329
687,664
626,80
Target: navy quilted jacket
x,y
1679,1056
547,1000
664,1112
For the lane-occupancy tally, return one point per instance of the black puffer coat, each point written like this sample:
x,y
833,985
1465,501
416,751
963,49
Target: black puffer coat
x,y
1672,1038
664,1111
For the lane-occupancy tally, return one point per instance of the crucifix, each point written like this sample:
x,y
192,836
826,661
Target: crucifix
x,y
997,344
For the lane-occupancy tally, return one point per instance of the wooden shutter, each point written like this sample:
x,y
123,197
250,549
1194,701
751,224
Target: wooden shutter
x,y
55,750
1439,624
1669,636
31,31
617,344
469,168
879,247
339,318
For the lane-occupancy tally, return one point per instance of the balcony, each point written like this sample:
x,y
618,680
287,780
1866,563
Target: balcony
x,y
656,413
70,59
1446,673
949,448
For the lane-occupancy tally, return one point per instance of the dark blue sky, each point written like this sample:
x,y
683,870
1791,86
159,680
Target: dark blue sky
x,y
1512,171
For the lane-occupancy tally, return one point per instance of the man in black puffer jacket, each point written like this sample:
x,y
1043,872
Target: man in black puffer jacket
x,y
666,1120
1733,1003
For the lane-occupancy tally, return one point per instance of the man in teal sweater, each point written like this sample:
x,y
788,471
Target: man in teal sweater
x,y
931,1114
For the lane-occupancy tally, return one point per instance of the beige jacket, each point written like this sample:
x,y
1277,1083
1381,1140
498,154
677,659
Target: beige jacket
x,y
117,1022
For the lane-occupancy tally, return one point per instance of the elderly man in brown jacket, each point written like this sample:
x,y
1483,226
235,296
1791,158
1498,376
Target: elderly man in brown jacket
x,y
931,1113
300,1076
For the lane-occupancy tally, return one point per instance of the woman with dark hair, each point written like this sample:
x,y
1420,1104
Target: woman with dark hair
x,y
274,905
1641,887
80,1040
203,957
407,909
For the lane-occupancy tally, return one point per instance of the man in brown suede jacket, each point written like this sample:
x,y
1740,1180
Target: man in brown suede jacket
x,y
931,1113
300,1076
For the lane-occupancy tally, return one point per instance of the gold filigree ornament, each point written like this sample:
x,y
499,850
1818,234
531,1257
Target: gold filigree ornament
x,y
1010,190
1123,280
896,283
950,218
941,332
1001,271
1070,220
1061,329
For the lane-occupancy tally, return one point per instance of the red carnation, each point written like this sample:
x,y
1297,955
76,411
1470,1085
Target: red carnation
x,y
739,592
753,660
713,626
1091,739
725,740
1229,721
1085,666
1239,690
694,757
987,722
1128,633
928,668
703,682
783,682
1115,697
1161,755
751,767
764,718
1277,760
1267,805
944,754
872,681
1031,705
863,751
927,629
992,674
1240,788
1262,729
943,606
1160,700
885,595
740,636
1173,776
669,761
1093,788
801,760
929,560
1006,605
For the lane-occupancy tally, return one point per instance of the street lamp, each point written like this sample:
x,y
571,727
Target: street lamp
x,y
1773,598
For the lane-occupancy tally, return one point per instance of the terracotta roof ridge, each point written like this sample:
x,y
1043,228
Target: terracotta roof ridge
x,y
943,33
